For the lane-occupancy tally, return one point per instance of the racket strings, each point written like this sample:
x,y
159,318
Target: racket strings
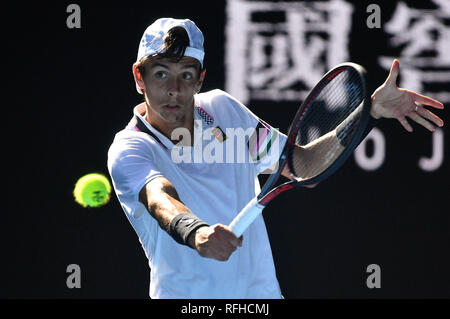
x,y
332,105
317,138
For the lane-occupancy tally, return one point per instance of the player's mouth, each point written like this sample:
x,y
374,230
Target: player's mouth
x,y
171,107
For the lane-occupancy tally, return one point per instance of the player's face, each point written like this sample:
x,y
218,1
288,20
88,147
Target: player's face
x,y
169,89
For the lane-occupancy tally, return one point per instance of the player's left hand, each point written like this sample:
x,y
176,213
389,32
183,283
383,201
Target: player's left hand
x,y
390,101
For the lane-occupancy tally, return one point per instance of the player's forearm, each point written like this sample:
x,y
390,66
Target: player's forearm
x,y
326,149
345,129
164,208
162,201
329,146
333,142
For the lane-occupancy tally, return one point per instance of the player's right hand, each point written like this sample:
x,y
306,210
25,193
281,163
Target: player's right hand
x,y
216,242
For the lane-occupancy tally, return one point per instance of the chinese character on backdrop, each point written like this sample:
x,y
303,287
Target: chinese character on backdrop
x,y
421,38
278,50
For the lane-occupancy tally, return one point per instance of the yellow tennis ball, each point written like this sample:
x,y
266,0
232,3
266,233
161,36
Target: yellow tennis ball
x,y
92,190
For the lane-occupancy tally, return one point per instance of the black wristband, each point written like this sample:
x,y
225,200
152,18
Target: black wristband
x,y
183,225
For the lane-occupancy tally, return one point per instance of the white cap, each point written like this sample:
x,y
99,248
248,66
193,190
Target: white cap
x,y
152,41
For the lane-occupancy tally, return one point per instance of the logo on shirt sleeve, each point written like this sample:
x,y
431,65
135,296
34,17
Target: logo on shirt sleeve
x,y
219,134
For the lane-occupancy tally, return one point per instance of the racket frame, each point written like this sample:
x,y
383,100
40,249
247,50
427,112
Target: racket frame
x,y
265,196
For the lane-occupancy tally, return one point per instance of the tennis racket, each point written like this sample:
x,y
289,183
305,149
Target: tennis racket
x,y
326,129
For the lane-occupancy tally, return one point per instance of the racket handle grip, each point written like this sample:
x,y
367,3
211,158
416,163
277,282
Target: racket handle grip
x,y
246,216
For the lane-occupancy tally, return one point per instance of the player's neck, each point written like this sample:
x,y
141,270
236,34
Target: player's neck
x,y
171,130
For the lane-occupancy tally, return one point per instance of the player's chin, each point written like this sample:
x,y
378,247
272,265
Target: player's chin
x,y
172,116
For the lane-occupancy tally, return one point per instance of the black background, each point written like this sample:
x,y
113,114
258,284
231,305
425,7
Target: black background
x,y
68,91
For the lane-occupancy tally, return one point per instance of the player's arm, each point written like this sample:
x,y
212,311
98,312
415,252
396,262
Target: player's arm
x,y
326,148
163,203
388,101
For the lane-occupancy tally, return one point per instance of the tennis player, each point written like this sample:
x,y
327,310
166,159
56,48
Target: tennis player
x,y
188,162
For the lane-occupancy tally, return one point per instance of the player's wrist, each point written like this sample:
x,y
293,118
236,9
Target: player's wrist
x,y
375,107
192,238
183,227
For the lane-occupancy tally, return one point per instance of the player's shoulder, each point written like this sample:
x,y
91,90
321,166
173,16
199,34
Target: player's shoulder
x,y
216,98
128,135
129,140
217,102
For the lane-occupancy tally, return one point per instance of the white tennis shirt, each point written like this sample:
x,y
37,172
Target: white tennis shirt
x,y
215,179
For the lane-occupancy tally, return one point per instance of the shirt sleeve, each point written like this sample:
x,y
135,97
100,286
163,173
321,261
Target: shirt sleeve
x,y
265,146
265,143
131,165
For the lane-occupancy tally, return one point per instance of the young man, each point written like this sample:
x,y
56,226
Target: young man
x,y
180,179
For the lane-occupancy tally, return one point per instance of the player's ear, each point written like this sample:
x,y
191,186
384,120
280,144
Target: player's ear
x,y
201,79
140,85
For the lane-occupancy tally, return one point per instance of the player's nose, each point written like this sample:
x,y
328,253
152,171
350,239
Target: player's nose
x,y
173,88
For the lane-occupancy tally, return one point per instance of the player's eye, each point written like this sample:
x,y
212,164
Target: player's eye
x,y
160,75
187,76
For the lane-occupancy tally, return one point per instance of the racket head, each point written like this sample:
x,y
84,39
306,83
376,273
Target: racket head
x,y
326,104
334,98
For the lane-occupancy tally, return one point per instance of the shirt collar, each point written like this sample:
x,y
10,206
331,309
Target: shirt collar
x,y
139,123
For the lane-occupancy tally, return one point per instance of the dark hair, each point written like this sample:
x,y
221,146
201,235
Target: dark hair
x,y
175,43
